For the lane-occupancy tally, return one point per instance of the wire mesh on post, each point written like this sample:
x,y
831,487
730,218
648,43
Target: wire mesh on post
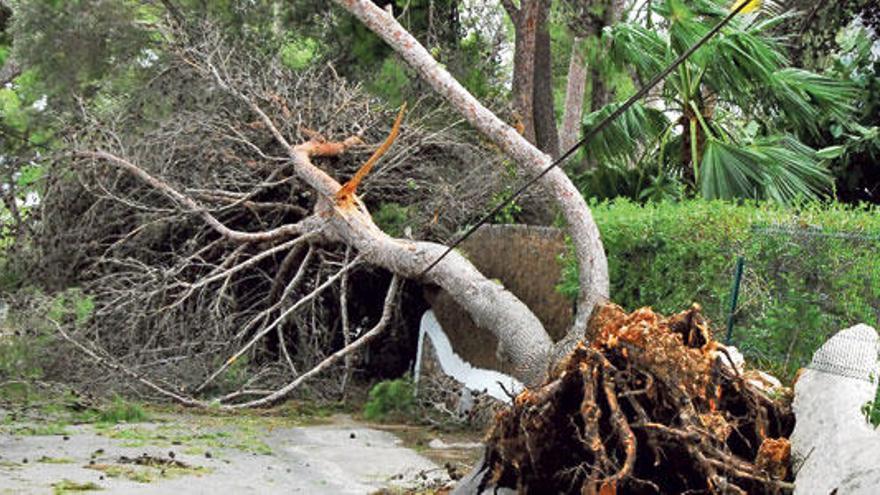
x,y
814,282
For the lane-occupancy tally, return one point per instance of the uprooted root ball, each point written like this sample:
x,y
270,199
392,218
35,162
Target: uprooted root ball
x,y
648,406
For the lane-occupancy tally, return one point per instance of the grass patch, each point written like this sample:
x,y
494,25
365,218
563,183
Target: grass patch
x,y
148,474
211,435
46,429
131,473
121,411
66,486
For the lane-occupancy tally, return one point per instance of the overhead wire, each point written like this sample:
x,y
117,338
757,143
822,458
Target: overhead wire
x,y
742,6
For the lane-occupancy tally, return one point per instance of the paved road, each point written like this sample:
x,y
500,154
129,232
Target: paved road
x,y
343,457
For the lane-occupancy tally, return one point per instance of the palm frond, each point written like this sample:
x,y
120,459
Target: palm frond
x,y
632,45
804,97
742,62
779,168
625,136
728,172
791,170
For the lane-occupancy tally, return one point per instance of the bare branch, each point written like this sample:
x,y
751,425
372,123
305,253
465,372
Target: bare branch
x,y
345,196
233,235
262,333
117,367
512,10
374,332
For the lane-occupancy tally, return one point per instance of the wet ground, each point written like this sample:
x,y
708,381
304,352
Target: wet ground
x,y
194,454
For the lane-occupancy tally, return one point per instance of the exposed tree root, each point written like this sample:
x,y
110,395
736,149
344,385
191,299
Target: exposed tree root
x,y
646,407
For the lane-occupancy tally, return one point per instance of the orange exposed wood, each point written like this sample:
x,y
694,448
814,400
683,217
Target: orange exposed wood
x,y
345,196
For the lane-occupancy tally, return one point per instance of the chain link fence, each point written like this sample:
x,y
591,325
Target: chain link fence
x,y
808,284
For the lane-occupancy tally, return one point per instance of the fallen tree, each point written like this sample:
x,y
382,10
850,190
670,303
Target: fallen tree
x,y
649,405
218,277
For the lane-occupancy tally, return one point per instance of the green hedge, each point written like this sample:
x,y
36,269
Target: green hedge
x,y
820,274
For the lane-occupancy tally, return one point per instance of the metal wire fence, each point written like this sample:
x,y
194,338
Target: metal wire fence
x,y
808,284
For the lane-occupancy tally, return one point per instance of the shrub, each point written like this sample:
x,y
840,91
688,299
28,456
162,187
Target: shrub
x,y
392,218
390,400
809,271
72,304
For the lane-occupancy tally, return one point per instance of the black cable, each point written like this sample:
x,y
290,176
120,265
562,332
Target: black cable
x,y
592,132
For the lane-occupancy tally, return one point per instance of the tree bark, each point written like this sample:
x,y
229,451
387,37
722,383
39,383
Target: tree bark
x,y
533,74
525,23
522,340
546,133
9,71
601,94
575,89
592,263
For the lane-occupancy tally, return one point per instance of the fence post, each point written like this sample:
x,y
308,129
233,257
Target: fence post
x,y
734,295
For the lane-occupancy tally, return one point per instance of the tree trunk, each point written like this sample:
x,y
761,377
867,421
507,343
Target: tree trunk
x,y
575,89
546,134
592,263
525,23
602,94
533,74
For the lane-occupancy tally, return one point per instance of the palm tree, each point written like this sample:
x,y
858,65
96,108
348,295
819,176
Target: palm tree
x,y
725,125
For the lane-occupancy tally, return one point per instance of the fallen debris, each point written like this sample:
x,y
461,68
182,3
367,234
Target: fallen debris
x,y
650,405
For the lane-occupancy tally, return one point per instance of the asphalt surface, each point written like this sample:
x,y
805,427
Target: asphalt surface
x,y
342,457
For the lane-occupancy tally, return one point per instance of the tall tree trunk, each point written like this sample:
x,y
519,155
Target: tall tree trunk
x,y
601,94
546,134
525,22
575,89
592,263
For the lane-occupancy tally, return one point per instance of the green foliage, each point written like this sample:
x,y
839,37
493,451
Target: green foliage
x,y
299,53
25,340
392,218
874,410
235,375
636,125
122,411
72,304
800,286
391,82
20,357
391,400
76,42
509,212
743,109
852,146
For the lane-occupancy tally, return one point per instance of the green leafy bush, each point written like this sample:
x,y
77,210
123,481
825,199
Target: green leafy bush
x,y
390,400
299,53
809,271
72,304
392,218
